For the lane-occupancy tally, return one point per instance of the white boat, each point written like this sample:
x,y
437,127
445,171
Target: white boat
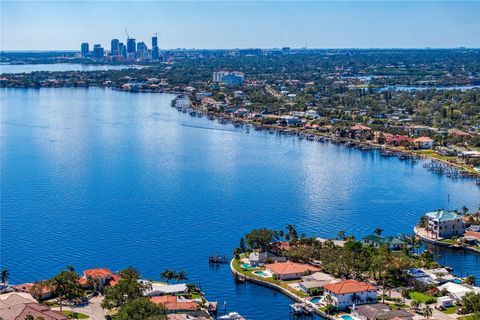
x,y
308,309
296,307
232,316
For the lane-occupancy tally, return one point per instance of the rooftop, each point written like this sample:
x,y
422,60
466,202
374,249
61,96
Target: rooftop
x,y
443,215
290,267
349,286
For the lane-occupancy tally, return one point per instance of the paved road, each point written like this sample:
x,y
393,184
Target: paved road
x,y
93,309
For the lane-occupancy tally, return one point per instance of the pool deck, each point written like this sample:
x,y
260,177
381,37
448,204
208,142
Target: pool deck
x,y
278,288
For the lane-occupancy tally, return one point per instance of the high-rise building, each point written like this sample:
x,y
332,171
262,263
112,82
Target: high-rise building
x,y
85,49
155,50
122,50
231,78
98,51
155,53
142,51
131,48
114,48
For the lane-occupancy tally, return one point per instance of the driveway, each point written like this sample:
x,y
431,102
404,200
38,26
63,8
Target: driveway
x,y
92,309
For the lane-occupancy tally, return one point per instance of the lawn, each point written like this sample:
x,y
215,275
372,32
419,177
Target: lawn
x,y
450,310
422,297
75,315
470,317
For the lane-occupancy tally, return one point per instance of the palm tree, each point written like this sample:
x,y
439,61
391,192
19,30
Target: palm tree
x,y
181,276
355,298
464,210
167,275
415,305
341,234
427,311
4,275
378,231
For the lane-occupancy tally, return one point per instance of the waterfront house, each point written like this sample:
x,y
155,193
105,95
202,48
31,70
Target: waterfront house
x,y
289,270
39,290
392,243
18,306
444,224
174,304
343,291
257,259
100,277
316,281
278,248
424,142
360,131
157,289
380,311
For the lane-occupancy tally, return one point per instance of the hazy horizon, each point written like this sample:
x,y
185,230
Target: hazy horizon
x,y
63,26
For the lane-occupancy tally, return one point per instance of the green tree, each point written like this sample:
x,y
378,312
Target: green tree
x,y
127,289
66,285
141,309
471,302
4,275
471,280
427,311
260,238
181,276
167,275
378,231
341,234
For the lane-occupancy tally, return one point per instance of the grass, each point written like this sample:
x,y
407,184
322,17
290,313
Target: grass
x,y
75,315
422,297
470,317
450,241
450,310
397,306
284,284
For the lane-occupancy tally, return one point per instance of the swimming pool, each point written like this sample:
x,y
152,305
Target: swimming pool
x,y
315,300
456,280
347,317
247,266
262,274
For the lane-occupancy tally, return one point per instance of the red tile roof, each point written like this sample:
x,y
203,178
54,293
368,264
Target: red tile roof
x,y
98,272
113,281
472,234
288,267
172,303
349,286
27,287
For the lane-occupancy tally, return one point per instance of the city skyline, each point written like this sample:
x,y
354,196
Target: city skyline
x,y
229,25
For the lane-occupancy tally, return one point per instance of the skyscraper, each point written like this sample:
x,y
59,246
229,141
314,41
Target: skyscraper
x,y
155,51
131,48
85,49
122,50
98,51
142,51
114,49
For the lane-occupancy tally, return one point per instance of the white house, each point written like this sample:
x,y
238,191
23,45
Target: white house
x,y
342,293
458,290
444,224
424,142
157,289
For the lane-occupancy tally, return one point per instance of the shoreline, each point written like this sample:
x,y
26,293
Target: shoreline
x,y
440,243
287,293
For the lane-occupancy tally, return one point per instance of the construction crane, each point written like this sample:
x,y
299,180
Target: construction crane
x,y
126,32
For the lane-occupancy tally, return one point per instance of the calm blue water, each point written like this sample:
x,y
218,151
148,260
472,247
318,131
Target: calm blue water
x,y
27,68
101,178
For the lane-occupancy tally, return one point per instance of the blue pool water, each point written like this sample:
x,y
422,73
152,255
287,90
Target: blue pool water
x,y
346,317
261,273
247,266
315,300
101,178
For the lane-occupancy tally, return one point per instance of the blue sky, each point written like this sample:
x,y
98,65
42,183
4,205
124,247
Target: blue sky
x,y
63,25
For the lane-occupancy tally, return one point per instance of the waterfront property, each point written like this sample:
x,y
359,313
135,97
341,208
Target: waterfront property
x,y
289,270
174,304
443,224
316,281
392,243
458,290
379,311
160,289
342,293
98,278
